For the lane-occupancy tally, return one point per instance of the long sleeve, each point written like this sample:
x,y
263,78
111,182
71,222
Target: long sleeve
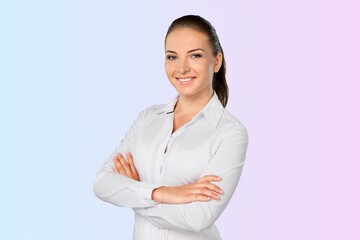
x,y
227,163
120,190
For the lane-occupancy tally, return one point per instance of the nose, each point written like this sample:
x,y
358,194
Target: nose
x,y
183,66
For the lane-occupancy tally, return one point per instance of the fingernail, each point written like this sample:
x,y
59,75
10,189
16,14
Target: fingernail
x,y
221,191
219,178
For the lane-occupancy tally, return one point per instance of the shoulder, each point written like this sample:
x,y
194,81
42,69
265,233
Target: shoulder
x,y
231,136
232,127
151,112
157,110
154,109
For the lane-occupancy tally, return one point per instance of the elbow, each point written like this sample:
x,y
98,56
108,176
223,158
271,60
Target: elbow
x,y
98,187
200,223
200,226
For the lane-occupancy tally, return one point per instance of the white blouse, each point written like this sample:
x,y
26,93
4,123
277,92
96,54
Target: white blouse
x,y
212,143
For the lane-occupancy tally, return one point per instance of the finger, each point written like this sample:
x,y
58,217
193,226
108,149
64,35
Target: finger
x,y
200,198
210,178
114,168
135,174
126,166
211,187
131,163
119,165
207,193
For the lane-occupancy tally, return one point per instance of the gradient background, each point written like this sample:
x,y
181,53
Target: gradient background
x,y
75,74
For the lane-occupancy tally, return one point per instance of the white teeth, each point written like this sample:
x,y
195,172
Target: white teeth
x,y
184,79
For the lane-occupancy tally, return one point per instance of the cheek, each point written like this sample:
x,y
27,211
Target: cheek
x,y
205,68
169,69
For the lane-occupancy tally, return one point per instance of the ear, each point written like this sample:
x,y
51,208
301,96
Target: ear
x,y
218,62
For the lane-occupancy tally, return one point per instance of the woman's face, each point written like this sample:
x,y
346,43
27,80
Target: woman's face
x,y
190,63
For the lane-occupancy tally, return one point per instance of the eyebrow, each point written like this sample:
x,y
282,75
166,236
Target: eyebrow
x,y
190,51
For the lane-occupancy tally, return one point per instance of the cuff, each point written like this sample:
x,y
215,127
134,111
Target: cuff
x,y
144,191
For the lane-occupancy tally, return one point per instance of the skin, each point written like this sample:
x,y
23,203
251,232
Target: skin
x,y
190,65
189,55
125,167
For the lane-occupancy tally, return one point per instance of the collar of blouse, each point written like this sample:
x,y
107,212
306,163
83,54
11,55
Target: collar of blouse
x,y
212,111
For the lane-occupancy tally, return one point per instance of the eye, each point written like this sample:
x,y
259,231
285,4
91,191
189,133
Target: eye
x,y
171,57
196,55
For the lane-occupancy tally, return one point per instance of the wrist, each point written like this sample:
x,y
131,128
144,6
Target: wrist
x,y
157,194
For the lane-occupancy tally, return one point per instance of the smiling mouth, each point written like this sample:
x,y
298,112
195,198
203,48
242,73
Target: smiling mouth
x,y
184,80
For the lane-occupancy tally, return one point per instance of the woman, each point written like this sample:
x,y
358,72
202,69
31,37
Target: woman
x,y
179,164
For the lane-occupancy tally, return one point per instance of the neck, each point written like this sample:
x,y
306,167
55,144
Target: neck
x,y
192,105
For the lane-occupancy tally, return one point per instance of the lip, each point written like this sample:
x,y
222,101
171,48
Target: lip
x,y
185,79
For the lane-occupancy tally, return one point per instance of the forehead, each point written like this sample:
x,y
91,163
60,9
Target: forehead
x,y
185,39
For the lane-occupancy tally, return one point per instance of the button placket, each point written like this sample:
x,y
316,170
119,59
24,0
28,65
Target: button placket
x,y
159,155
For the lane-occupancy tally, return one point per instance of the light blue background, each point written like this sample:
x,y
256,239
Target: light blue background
x,y
75,74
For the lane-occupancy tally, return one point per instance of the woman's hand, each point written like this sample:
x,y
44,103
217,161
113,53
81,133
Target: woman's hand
x,y
125,168
200,191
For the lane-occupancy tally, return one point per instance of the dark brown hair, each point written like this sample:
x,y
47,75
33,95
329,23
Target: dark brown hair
x,y
200,24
